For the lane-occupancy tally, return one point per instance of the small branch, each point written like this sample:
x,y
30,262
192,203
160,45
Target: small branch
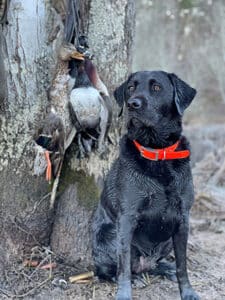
x,y
18,226
33,289
55,185
40,264
8,294
36,205
5,293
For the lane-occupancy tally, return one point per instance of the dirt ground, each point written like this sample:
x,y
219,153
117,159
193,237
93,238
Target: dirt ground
x,y
206,264
206,253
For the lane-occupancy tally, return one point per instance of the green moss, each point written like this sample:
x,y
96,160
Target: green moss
x,y
187,4
87,190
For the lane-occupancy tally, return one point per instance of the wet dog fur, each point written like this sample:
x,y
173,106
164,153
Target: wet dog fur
x,y
144,209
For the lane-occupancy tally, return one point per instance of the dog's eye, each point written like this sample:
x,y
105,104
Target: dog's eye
x,y
131,88
156,87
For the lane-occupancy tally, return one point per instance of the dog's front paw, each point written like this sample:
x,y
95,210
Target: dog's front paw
x,y
189,294
122,297
124,292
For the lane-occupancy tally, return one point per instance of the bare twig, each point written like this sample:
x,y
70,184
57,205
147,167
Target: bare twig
x,y
93,292
18,226
10,295
55,185
40,264
32,290
37,204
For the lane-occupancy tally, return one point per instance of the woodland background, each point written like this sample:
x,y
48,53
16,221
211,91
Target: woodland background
x,y
186,37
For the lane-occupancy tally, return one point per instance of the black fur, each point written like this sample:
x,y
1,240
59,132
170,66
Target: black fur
x,y
144,209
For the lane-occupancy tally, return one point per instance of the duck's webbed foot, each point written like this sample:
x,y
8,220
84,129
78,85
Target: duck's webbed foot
x,y
49,166
85,145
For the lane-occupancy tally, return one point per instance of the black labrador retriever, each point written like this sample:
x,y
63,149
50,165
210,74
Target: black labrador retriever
x,y
144,209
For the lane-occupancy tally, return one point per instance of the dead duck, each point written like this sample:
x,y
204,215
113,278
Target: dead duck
x,y
51,137
68,51
90,106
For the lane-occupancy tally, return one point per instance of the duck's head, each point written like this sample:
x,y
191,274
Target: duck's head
x,y
68,52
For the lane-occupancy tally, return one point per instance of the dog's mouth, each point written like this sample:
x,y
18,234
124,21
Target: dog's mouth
x,y
135,121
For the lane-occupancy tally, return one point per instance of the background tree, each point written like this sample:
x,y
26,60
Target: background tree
x,y
30,41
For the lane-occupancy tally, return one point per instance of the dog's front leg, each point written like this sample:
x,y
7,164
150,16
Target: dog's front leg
x,y
125,229
180,248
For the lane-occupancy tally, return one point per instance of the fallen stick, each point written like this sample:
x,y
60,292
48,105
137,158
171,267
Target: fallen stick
x,y
55,185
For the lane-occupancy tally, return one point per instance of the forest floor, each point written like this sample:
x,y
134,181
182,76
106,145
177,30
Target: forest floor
x,y
206,247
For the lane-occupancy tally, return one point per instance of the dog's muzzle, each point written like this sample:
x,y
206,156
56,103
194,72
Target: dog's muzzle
x,y
134,103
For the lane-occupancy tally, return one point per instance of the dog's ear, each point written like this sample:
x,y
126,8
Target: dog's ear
x,y
120,94
183,93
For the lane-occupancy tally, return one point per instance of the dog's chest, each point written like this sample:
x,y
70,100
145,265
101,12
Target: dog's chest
x,y
159,213
158,224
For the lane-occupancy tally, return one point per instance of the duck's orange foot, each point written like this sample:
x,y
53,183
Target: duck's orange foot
x,y
49,166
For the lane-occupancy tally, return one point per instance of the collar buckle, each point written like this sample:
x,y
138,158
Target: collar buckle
x,y
156,152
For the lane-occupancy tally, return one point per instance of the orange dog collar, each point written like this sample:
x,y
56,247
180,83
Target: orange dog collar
x,y
162,154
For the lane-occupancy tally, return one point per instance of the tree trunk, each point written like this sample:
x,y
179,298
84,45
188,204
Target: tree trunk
x,y
28,59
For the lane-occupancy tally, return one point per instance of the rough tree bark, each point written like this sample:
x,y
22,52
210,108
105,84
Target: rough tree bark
x,y
28,57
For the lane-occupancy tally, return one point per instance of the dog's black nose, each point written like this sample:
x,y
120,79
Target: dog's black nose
x,y
134,103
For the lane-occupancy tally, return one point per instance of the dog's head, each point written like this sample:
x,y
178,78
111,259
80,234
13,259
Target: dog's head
x,y
155,102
